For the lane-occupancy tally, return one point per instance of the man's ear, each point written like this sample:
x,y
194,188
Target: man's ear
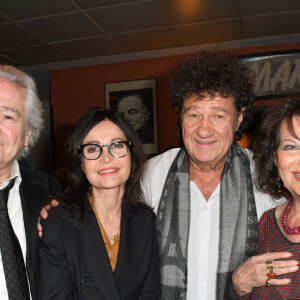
x,y
240,118
27,136
147,115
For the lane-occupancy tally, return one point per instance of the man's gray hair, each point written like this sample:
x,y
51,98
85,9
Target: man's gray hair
x,y
33,106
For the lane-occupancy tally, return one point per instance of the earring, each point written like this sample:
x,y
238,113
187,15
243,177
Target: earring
x,y
237,136
279,190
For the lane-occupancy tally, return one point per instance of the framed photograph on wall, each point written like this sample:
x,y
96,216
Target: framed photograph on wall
x,y
136,101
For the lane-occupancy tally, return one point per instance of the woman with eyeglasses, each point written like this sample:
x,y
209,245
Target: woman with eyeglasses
x,y
100,243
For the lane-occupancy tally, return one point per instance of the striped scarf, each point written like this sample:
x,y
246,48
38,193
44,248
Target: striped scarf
x,y
238,224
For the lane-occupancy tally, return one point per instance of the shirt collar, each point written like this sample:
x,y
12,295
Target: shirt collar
x,y
15,173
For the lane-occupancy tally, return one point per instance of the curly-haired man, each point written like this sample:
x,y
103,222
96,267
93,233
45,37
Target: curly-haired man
x,y
207,207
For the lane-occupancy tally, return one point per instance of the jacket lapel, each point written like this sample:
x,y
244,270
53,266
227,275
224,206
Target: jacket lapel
x,y
132,246
31,193
94,257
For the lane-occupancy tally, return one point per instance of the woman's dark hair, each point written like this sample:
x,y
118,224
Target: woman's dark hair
x,y
267,141
211,73
77,188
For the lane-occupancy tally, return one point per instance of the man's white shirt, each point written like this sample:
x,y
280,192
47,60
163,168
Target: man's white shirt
x,y
204,223
15,213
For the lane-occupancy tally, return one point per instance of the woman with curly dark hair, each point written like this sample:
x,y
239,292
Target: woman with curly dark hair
x,y
277,161
100,243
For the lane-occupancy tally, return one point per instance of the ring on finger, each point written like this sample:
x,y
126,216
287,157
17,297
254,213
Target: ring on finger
x,y
271,274
269,264
268,283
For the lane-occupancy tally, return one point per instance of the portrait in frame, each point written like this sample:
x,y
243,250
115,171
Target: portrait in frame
x,y
136,101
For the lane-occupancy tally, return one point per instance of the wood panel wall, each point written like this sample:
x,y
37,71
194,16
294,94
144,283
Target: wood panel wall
x,y
74,91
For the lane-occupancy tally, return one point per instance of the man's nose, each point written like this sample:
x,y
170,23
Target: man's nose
x,y
205,128
128,116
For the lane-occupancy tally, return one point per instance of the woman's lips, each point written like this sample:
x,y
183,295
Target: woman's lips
x,y
108,171
296,175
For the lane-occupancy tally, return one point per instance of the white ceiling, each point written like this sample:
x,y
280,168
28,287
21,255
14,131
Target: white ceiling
x,y
36,32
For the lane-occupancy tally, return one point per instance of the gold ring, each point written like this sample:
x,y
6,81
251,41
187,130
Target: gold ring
x,y
268,282
269,264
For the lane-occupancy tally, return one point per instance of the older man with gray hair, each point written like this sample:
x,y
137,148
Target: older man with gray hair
x,y
23,190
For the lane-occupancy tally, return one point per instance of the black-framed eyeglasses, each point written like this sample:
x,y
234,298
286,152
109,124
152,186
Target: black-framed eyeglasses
x,y
93,151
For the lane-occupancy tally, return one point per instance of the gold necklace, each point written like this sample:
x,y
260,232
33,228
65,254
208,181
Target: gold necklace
x,y
110,238
90,198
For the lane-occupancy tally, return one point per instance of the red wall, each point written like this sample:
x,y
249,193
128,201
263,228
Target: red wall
x,y
74,91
